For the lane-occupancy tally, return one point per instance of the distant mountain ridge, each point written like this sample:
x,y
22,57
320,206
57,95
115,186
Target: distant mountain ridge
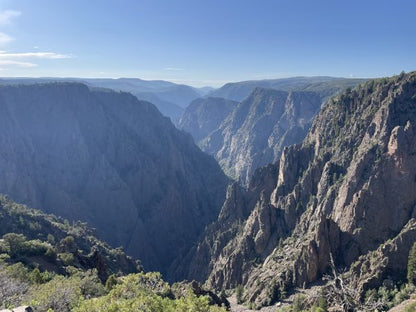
x,y
238,91
254,132
106,158
169,98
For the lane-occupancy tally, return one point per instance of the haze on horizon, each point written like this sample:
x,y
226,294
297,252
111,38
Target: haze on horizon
x,y
206,43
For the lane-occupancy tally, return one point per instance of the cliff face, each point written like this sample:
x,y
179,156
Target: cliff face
x,y
111,160
205,115
347,190
250,134
258,128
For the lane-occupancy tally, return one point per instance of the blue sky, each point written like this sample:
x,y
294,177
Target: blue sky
x,y
206,42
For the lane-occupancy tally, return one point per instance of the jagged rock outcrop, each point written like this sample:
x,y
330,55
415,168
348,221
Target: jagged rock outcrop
x,y
258,129
387,263
271,114
346,190
237,207
112,161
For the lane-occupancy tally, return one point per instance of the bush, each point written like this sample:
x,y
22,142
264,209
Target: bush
x,y
298,303
130,295
60,294
51,239
90,285
68,244
50,254
17,270
35,276
239,292
111,282
411,265
67,258
15,243
35,247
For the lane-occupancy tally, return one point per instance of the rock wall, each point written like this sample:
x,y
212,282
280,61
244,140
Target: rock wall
x,y
112,161
348,189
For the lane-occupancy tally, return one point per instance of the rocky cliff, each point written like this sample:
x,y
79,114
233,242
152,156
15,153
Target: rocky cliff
x,y
258,128
205,115
348,190
112,161
250,134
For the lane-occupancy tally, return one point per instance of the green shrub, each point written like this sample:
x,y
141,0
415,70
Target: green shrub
x,y
50,254
68,244
405,292
239,292
322,304
17,270
91,285
130,295
4,257
60,294
35,276
35,248
411,265
15,243
67,258
51,239
298,303
111,282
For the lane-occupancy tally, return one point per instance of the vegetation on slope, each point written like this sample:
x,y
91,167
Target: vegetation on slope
x,y
53,266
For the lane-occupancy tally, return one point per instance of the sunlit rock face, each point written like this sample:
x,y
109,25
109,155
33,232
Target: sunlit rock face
x,y
348,190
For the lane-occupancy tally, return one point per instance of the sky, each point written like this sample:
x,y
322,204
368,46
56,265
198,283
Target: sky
x,y
206,42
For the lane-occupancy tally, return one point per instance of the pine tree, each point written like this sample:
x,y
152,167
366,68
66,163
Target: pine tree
x,y
411,265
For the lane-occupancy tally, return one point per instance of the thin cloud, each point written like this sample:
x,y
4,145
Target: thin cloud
x,y
4,38
26,59
17,63
36,55
7,16
173,69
